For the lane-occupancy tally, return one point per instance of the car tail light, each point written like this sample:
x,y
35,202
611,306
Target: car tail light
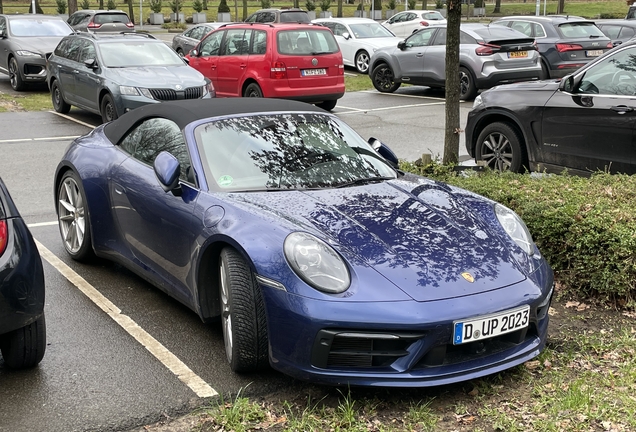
x,y
130,25
570,66
341,69
610,45
278,70
93,25
424,23
568,47
3,236
485,49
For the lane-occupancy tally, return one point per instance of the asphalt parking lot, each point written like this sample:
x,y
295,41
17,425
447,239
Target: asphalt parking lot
x,y
120,353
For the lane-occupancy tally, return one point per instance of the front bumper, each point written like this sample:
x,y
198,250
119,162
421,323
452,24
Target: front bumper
x,y
32,68
507,77
400,344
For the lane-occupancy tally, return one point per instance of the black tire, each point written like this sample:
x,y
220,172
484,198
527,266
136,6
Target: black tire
x,y
108,109
73,217
180,52
327,105
14,76
501,146
383,79
362,62
467,85
24,347
59,104
242,314
545,72
253,90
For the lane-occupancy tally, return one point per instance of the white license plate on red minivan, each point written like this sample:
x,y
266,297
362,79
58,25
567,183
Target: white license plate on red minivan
x,y
485,327
313,72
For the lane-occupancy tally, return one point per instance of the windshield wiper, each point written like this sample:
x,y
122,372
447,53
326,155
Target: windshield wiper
x,y
365,180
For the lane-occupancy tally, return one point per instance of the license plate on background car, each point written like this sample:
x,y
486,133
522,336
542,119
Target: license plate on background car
x,y
594,53
489,326
518,54
312,72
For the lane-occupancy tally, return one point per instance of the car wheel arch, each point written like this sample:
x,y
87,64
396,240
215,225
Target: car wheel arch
x,y
501,117
249,81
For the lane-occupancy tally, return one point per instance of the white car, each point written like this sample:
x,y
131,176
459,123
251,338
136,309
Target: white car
x,y
403,24
358,39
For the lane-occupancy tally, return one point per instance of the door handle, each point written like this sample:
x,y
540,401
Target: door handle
x,y
622,109
243,65
75,71
419,55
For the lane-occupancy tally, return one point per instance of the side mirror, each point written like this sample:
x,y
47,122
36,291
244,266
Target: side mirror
x,y
346,35
384,151
402,45
167,171
3,34
90,63
194,53
570,83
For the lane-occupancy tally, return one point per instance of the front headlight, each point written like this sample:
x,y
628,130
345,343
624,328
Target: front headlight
x,y
515,228
317,263
128,91
25,53
477,102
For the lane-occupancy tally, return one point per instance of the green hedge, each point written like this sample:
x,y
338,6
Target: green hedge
x,y
585,227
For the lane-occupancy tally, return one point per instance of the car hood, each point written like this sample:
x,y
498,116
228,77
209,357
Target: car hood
x,y
419,236
157,76
41,45
511,94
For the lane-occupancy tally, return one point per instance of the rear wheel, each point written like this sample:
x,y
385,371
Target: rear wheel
x,y
467,85
242,314
362,62
73,219
327,105
108,110
383,79
253,90
545,72
501,147
180,52
24,347
14,75
59,104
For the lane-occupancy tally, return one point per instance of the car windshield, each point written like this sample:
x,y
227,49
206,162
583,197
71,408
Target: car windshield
x,y
286,151
580,30
306,42
135,53
39,28
370,30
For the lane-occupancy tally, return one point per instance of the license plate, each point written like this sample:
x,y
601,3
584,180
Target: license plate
x,y
312,72
594,53
518,54
489,326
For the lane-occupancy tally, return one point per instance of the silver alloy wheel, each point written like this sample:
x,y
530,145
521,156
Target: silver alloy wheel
x,y
496,151
13,73
464,83
70,210
362,62
226,313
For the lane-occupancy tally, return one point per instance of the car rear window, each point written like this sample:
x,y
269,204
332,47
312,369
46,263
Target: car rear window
x,y
295,16
579,30
306,42
111,18
434,16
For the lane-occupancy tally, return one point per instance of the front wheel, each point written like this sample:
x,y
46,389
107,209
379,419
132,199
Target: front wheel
x,y
14,75
24,347
501,147
362,62
242,314
383,79
108,110
327,105
467,85
73,219
59,104
253,90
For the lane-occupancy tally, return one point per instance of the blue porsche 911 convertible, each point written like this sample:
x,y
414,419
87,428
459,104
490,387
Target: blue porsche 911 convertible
x,y
320,258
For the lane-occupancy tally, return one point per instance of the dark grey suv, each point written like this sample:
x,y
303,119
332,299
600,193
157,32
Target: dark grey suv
x,y
112,74
25,43
101,21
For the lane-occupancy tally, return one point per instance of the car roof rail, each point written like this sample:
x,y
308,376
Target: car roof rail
x,y
85,33
248,23
135,33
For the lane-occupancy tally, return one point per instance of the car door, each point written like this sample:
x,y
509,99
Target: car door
x,y
66,63
159,228
87,78
4,46
207,58
233,60
434,66
411,58
577,124
345,43
396,24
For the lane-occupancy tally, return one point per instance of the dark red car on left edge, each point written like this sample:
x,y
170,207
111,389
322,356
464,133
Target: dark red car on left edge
x,y
22,325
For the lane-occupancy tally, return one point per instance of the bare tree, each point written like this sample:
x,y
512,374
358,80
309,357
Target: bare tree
x,y
497,6
339,14
131,10
72,6
1,7
244,10
560,7
452,129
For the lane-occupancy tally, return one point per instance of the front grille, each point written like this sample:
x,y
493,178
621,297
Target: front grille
x,y
169,94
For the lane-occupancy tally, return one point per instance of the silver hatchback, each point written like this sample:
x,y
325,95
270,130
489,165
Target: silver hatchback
x,y
489,56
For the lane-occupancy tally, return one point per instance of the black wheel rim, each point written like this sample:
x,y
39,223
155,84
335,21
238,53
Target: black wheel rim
x,y
496,151
384,78
252,92
56,97
109,111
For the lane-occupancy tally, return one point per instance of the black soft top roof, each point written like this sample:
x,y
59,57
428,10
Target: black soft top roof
x,y
184,112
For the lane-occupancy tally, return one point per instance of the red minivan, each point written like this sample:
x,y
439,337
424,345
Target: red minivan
x,y
290,61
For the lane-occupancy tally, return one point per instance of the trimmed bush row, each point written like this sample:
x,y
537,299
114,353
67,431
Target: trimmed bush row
x,y
585,227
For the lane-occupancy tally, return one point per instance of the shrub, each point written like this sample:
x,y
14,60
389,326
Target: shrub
x,y
85,4
391,5
439,4
310,5
360,6
325,5
156,6
412,4
110,5
585,227
197,5
265,4
175,6
223,7
61,6
479,3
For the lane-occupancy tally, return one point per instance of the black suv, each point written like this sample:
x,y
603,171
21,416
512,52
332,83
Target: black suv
x,y
111,74
565,42
293,15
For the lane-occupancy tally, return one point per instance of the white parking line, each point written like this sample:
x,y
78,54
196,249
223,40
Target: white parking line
x,y
169,360
41,224
358,111
88,125
57,138
402,95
